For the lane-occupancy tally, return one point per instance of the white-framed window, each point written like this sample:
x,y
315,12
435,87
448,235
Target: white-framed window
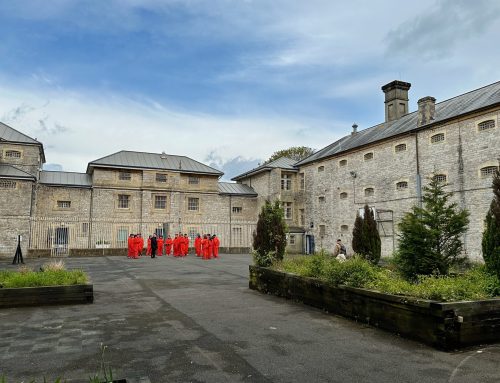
x,y
7,184
124,176
321,169
64,204
488,171
344,228
403,185
440,178
193,180
302,179
161,177
237,209
292,239
123,201
193,204
485,125
343,163
237,236
160,201
437,138
287,207
343,195
400,148
369,192
13,154
286,181
368,156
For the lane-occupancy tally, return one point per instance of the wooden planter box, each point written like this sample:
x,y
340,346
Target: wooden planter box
x,y
47,295
446,326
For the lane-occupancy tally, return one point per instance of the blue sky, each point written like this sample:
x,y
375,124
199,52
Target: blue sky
x,y
228,82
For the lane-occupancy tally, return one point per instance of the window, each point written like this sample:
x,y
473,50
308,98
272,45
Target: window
x,y
122,235
123,201
368,156
343,163
369,192
344,228
287,207
292,239
440,178
302,217
124,176
302,181
321,169
64,204
237,236
321,199
192,233
161,177
7,184
194,180
160,201
237,209
322,230
343,195
488,171
85,228
403,185
437,138
485,125
12,154
193,204
286,181
400,148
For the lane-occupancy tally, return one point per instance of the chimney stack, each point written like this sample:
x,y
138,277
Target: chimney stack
x,y
396,99
354,129
426,110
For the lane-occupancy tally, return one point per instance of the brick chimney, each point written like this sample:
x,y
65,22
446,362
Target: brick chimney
x,y
426,110
396,99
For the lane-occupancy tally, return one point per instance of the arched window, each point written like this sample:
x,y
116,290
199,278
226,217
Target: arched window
x,y
437,138
440,178
403,185
369,192
343,195
488,171
489,124
400,148
368,156
343,163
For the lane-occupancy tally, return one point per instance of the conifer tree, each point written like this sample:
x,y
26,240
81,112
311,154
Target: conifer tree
x,y
491,235
430,236
365,236
269,239
357,235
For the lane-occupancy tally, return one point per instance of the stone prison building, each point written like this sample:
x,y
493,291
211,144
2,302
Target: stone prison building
x,y
385,166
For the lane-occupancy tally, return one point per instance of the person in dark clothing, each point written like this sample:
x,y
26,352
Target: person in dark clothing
x,y
154,246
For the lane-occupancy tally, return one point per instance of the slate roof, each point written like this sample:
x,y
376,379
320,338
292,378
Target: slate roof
x,y
140,160
282,162
230,188
9,171
69,179
468,102
12,135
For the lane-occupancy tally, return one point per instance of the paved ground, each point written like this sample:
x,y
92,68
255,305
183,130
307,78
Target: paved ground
x,y
189,320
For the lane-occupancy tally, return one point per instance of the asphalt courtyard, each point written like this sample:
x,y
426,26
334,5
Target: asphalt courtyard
x,y
188,320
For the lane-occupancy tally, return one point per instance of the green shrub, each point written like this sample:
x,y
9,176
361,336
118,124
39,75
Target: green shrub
x,y
42,278
355,272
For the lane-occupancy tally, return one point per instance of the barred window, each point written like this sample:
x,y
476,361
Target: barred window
x,y
64,204
12,154
193,232
489,124
193,204
85,228
400,148
286,181
343,195
321,169
160,201
161,177
343,163
7,184
488,171
237,209
194,180
403,185
437,138
369,192
440,178
123,201
124,176
368,156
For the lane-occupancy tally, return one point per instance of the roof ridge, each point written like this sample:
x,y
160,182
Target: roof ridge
x,y
21,133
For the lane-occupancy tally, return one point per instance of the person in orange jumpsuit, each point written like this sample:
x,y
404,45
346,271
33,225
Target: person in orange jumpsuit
x,y
176,245
210,247
182,245
148,249
204,247
131,246
197,245
137,246
216,243
159,251
186,244
140,244
168,245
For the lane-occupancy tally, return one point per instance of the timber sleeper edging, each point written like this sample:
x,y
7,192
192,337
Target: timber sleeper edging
x,y
46,295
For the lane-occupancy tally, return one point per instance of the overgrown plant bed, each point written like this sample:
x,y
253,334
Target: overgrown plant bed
x,y
444,325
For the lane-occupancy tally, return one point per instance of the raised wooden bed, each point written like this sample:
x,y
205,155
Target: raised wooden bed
x,y
442,325
47,295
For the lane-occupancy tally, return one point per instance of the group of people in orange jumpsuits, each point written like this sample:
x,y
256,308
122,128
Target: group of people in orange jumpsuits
x,y
206,247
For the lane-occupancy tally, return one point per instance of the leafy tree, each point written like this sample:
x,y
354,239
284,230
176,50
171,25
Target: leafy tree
x,y
365,236
491,235
295,152
269,239
430,236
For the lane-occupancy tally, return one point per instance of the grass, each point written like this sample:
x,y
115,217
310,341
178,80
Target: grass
x,y
473,284
51,274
